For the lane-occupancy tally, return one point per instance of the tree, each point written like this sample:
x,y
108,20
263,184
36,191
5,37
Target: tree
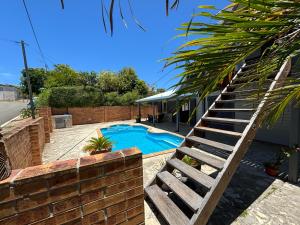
x,y
62,75
37,80
127,80
88,78
215,48
108,81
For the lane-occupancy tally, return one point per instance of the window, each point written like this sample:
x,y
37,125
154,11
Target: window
x,y
164,107
185,107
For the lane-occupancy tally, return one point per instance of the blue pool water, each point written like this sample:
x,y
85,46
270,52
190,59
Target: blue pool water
x,y
126,136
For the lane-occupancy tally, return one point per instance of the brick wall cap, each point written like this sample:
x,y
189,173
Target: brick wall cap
x,y
100,159
131,152
47,170
8,180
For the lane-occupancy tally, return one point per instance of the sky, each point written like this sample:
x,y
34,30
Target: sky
x,y
75,36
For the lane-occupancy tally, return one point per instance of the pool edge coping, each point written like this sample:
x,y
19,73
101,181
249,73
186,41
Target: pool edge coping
x,y
146,156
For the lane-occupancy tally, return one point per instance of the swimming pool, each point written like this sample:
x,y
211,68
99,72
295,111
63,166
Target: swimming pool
x,y
126,136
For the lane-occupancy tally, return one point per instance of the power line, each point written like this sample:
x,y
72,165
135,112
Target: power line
x,y
34,34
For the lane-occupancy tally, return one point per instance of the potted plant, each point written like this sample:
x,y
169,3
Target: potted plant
x,y
98,145
272,168
138,119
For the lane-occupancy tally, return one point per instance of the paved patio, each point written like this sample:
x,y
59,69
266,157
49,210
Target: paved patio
x,y
252,198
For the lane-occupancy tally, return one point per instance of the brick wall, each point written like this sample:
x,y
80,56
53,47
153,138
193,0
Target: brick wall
x,y
25,142
103,189
86,115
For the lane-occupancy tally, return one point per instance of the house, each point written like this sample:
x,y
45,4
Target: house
x,y
9,93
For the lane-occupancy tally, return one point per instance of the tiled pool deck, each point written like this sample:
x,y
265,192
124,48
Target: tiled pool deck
x,y
252,198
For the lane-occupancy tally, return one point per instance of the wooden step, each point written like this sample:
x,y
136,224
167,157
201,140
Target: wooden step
x,y
266,82
203,157
237,100
219,145
170,212
196,175
218,131
244,92
232,110
226,120
191,198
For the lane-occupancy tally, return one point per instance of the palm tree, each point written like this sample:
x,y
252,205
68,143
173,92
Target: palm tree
x,y
236,32
98,145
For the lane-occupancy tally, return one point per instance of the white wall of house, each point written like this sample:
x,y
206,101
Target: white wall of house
x,y
8,93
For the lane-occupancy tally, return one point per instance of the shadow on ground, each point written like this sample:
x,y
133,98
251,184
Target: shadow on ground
x,y
247,184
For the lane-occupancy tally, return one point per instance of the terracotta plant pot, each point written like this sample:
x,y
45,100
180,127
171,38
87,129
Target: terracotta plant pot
x,y
271,171
100,152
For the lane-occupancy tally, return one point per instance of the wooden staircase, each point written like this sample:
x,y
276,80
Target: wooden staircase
x,y
183,194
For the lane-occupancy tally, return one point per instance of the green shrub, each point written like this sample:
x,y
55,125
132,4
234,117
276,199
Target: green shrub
x,y
78,96
73,96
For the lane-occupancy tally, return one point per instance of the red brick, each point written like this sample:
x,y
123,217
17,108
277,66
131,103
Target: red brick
x,y
10,220
64,192
66,204
115,209
33,201
114,167
33,215
135,201
116,219
137,220
63,179
67,216
135,211
90,172
92,184
93,218
131,163
100,204
135,192
7,209
6,194
137,172
123,186
91,196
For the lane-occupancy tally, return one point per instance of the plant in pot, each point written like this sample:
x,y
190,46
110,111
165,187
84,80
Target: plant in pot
x,y
98,145
138,119
272,168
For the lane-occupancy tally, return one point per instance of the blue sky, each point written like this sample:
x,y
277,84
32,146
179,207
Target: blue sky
x,y
75,36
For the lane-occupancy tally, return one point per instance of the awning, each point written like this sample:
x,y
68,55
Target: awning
x,y
164,96
159,97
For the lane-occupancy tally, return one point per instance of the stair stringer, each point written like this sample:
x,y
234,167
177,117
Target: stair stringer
x,y
212,198
152,181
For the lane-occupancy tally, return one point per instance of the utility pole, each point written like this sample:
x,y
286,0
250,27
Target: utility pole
x,y
28,80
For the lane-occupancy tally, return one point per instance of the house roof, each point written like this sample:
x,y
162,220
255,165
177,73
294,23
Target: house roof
x,y
163,96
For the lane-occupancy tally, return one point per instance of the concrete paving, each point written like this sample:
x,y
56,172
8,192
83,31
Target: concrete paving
x,y
252,197
9,110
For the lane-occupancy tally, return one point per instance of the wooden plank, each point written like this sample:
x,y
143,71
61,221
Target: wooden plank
x,y
249,91
203,156
226,120
191,198
232,110
219,145
219,131
194,174
170,212
237,100
266,82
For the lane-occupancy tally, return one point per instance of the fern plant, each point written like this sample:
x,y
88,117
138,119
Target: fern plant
x,y
98,145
